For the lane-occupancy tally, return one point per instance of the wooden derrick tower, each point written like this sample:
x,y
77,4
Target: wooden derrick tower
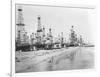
x,y
49,41
43,36
73,37
62,40
22,38
39,31
20,27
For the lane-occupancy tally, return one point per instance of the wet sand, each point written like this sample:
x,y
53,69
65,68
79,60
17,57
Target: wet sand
x,y
52,60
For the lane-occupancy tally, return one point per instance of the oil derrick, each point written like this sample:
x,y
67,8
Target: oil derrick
x,y
25,39
62,40
39,31
43,37
80,41
73,37
59,39
20,27
49,41
43,32
32,41
50,36
32,38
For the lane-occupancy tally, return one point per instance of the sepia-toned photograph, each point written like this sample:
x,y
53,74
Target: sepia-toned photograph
x,y
53,38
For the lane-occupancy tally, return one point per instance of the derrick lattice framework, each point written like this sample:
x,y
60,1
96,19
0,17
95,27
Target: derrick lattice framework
x,y
39,30
22,37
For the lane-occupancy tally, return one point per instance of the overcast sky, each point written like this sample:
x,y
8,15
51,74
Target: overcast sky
x,y
59,19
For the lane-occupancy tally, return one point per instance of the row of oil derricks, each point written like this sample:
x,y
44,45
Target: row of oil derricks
x,y
40,41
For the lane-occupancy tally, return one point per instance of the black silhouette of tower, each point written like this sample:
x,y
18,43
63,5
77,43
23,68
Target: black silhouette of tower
x,y
62,39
